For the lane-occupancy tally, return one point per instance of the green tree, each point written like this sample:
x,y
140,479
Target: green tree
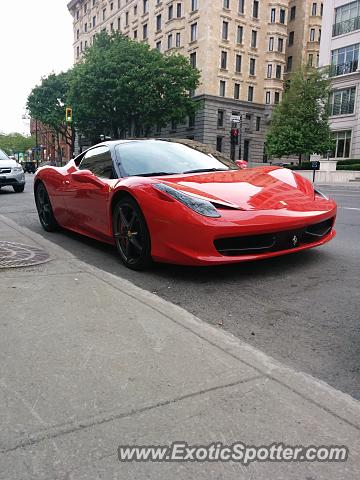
x,y
125,86
15,142
47,102
300,123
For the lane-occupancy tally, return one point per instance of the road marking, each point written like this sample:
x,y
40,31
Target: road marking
x,y
350,208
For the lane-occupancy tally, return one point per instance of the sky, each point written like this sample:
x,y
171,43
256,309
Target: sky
x,y
36,39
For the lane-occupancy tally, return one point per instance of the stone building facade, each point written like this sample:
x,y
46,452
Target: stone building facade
x,y
240,47
340,48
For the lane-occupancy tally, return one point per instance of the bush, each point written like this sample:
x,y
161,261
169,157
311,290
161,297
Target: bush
x,y
354,167
354,161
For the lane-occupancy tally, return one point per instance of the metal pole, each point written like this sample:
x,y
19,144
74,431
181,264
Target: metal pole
x,y
36,140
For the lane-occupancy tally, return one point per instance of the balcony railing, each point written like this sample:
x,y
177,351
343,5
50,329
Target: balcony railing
x,y
346,26
344,68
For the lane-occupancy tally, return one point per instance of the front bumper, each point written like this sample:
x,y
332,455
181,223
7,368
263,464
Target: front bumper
x,y
194,243
12,179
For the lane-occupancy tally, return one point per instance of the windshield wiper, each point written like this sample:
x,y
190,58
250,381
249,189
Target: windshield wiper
x,y
200,170
154,174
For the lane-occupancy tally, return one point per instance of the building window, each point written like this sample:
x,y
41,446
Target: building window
x,y
126,19
170,12
178,40
312,34
257,124
238,63
310,59
77,51
345,60
252,64
158,23
276,98
314,9
135,34
223,60
246,150
94,22
104,14
250,93
225,30
77,34
112,6
342,142
291,38
237,91
226,4
170,41
145,6
321,9
289,64
253,38
86,27
267,98
282,15
220,118
271,44
273,15
241,6
347,18
293,13
77,14
118,23
178,10
85,7
239,34
278,72
222,88
342,102
255,12
194,5
158,45
280,45
193,32
193,59
145,31
219,142
135,10
269,70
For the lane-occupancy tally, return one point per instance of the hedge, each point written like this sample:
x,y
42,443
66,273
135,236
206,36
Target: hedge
x,y
355,167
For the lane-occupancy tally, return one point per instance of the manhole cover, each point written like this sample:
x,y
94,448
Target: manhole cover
x,y
14,255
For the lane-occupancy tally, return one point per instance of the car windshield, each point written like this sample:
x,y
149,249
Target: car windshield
x,y
159,157
3,156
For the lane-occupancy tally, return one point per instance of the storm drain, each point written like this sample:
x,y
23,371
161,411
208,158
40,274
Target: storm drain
x,y
13,255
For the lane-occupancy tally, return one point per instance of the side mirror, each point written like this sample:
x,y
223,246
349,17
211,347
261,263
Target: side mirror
x,y
86,176
241,163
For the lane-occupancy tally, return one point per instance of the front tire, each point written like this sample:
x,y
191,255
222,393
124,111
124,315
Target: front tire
x,y
44,208
18,188
131,234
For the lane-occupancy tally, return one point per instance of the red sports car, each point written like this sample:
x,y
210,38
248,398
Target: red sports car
x,y
177,201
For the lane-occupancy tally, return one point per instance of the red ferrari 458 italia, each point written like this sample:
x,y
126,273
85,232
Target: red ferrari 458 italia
x,y
178,201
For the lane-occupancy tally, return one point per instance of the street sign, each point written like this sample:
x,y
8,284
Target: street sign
x,y
315,165
235,118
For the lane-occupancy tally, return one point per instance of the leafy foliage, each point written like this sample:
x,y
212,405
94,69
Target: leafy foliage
x,y
15,142
300,123
125,85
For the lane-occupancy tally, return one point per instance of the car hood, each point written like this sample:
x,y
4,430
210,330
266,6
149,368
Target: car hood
x,y
8,163
262,188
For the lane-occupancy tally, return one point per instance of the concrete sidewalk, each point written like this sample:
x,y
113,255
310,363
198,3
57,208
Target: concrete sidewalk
x,y
89,362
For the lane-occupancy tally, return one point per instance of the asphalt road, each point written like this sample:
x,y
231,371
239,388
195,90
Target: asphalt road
x,y
303,309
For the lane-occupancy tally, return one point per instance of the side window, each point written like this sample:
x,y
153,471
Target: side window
x,y
99,161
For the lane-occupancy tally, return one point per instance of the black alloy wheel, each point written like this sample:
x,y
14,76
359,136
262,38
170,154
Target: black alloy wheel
x,y
131,234
19,188
45,212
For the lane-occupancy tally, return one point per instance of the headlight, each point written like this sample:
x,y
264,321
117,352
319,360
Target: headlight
x,y
18,169
320,194
202,207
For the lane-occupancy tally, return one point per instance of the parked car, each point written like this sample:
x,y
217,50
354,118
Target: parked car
x,y
177,201
11,173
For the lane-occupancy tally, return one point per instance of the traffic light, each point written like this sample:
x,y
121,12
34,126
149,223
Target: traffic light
x,y
234,135
69,114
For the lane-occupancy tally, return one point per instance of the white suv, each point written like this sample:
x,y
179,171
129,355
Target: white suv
x,y
11,173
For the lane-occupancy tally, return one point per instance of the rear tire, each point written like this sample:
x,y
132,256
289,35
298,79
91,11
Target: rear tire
x,y
18,188
131,234
44,208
